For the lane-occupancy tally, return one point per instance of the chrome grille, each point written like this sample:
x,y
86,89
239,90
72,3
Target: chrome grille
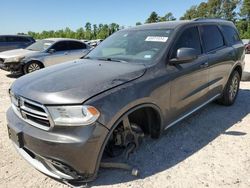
x,y
33,113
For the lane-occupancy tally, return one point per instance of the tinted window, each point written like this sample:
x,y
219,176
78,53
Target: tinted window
x,y
22,39
74,45
11,39
231,34
212,37
189,39
2,39
60,46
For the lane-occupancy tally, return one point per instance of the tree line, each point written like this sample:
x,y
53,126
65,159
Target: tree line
x,y
237,11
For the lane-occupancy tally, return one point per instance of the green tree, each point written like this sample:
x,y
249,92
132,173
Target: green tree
x,y
168,17
190,13
245,10
88,32
138,23
153,18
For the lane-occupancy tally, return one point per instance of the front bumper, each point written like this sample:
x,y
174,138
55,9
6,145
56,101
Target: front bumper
x,y
13,67
64,153
3,66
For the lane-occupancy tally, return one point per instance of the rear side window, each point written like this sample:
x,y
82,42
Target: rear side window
x,y
189,39
231,34
22,39
2,39
11,39
74,45
212,37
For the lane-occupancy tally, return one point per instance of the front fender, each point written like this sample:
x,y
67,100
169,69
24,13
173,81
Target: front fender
x,y
114,103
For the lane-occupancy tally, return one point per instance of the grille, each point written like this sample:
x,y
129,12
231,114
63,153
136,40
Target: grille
x,y
31,112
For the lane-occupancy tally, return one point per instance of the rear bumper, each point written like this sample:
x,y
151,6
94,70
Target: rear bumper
x,y
64,153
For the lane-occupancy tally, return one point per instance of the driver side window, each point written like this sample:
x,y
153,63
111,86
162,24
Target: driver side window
x,y
188,39
60,46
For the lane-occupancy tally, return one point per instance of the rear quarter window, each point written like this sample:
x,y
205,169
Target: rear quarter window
x,y
212,37
231,34
74,45
17,39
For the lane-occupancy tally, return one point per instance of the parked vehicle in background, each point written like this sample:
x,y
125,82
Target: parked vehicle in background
x,y
94,43
139,81
42,53
247,45
10,42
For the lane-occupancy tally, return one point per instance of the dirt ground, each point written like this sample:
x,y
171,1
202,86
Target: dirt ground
x,y
209,149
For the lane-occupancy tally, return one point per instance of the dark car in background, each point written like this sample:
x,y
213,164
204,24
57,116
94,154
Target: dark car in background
x,y
10,42
139,81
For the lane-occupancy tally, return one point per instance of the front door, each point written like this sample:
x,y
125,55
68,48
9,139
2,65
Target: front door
x,y
189,87
61,54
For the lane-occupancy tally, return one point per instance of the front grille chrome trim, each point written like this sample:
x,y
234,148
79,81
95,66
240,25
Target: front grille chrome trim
x,y
23,112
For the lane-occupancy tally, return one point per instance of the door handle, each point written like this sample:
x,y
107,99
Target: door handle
x,y
204,65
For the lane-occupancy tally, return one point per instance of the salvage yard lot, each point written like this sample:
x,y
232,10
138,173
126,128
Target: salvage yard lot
x,y
209,149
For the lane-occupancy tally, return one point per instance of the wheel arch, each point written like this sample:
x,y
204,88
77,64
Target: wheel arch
x,y
30,61
239,69
118,121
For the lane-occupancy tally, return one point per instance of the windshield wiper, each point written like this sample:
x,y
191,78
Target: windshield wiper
x,y
112,59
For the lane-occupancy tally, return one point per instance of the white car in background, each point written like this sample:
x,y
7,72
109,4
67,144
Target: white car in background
x,y
43,53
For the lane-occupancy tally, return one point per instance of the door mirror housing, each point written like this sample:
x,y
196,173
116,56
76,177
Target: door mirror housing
x,y
51,51
185,55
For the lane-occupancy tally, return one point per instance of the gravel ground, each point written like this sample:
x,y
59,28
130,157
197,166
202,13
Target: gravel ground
x,y
208,149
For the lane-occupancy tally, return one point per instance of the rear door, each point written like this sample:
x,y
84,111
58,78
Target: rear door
x,y
221,57
189,87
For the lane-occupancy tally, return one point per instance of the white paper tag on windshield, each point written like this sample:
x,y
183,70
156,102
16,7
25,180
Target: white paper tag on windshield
x,y
156,39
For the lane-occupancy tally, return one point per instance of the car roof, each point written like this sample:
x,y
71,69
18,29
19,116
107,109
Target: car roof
x,y
28,36
175,24
61,39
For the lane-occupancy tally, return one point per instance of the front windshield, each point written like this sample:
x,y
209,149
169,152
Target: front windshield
x,y
132,45
40,45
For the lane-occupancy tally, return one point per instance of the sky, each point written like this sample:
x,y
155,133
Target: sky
x,y
17,16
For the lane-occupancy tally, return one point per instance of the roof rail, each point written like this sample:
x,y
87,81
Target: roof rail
x,y
211,19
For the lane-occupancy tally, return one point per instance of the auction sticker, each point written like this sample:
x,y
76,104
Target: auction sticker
x,y
156,39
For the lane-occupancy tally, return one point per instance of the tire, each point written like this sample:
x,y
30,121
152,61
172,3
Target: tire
x,y
32,66
231,90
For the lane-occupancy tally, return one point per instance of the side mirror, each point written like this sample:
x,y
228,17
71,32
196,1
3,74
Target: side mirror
x,y
51,51
185,55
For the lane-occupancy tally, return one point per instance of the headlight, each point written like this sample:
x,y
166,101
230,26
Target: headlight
x,y
13,59
73,115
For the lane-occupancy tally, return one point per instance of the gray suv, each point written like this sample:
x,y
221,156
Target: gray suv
x,y
10,42
70,119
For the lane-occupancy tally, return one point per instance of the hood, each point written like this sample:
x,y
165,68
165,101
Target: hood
x,y
16,53
75,82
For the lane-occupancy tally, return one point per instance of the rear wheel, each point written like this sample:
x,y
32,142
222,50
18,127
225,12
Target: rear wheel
x,y
32,66
231,90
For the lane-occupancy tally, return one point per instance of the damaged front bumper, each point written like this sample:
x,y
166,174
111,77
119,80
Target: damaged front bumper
x,y
12,66
65,153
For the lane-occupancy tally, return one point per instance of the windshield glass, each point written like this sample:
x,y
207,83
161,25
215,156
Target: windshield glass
x,y
132,45
40,45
